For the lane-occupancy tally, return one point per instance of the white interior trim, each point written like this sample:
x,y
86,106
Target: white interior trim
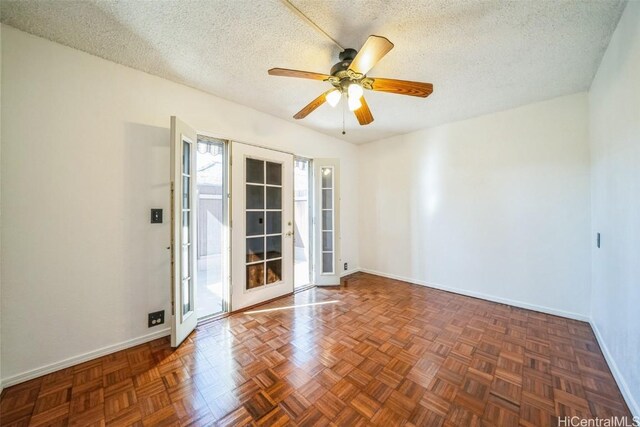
x,y
520,304
81,358
617,375
348,272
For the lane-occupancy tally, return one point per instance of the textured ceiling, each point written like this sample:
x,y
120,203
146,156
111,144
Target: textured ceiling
x,y
481,56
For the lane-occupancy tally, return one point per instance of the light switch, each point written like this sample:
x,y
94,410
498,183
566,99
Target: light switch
x,y
156,216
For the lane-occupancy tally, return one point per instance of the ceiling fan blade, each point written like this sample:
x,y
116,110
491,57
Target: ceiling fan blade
x,y
371,52
402,87
363,114
312,106
285,72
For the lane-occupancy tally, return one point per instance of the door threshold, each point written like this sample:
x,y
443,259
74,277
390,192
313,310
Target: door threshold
x,y
208,319
216,317
304,288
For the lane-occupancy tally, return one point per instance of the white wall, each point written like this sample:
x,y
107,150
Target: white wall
x,y
614,117
85,155
496,206
0,212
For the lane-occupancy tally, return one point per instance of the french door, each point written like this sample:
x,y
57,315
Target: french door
x,y
183,230
261,224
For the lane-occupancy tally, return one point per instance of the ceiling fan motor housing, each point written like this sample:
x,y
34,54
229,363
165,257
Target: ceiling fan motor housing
x,y
346,56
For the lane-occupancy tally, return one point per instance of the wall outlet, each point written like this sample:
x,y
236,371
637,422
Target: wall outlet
x,y
346,266
156,318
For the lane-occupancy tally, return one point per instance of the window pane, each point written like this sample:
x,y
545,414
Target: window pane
x,y
255,249
255,223
186,261
255,171
327,220
327,263
255,275
274,271
274,198
186,236
274,222
327,199
327,178
185,192
327,241
274,247
274,173
255,196
186,296
186,157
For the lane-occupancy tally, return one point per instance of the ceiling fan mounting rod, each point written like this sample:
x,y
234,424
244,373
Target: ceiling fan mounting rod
x,y
309,21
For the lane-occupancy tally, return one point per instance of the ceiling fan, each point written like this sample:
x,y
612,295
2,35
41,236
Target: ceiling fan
x,y
349,79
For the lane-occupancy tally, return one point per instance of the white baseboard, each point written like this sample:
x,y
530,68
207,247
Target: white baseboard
x,y
480,295
81,358
617,375
348,272
343,274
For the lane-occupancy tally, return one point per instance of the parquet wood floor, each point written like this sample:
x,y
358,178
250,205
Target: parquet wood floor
x,y
376,352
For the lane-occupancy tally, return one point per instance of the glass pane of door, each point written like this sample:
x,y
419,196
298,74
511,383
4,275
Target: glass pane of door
x,y
263,197
211,166
302,212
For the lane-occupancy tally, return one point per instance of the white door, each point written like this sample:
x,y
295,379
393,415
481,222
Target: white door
x,y
261,224
183,230
327,266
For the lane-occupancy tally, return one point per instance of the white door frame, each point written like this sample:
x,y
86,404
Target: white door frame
x,y
321,276
226,237
310,215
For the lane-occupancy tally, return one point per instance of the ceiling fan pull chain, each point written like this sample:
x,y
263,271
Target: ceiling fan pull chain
x,y
343,107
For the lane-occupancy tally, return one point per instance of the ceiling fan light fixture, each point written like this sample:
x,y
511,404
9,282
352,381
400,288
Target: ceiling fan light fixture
x,y
355,91
333,97
354,103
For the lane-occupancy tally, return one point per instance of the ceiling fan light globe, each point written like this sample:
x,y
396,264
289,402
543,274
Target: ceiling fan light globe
x,y
354,103
355,91
333,97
